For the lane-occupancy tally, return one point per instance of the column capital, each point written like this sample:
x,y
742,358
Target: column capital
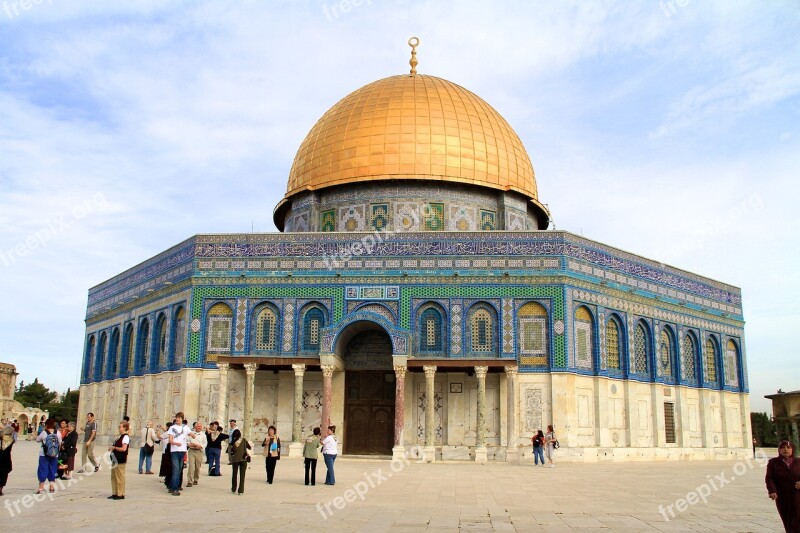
x,y
327,370
429,370
299,369
512,371
481,371
251,368
400,371
223,366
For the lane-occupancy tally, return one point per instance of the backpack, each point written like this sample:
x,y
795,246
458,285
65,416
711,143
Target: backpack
x,y
50,445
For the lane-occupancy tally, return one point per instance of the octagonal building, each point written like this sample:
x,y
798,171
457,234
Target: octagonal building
x,y
416,299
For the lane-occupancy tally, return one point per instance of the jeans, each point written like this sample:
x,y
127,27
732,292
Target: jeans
x,y
214,455
311,465
330,479
538,455
239,468
177,470
146,459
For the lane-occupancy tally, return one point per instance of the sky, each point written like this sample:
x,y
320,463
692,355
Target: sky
x,y
668,129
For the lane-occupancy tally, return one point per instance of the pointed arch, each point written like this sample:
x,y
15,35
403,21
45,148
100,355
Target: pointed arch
x,y
143,346
613,343
162,344
584,338
219,322
430,325
731,363
482,331
710,358
127,349
266,328
533,327
666,352
178,354
114,354
689,358
101,356
89,365
641,349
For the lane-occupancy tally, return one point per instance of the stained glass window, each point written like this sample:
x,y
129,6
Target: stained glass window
x,y
666,353
90,357
266,330
129,357
688,358
162,341
711,361
640,350
101,355
487,222
313,321
327,220
533,334
583,338
144,343
731,364
482,326
430,330
179,326
612,345
114,353
220,318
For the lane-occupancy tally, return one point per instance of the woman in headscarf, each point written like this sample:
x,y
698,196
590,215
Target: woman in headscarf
x,y
6,443
783,485
69,448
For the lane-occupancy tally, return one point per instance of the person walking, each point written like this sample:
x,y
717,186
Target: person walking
x,y
147,448
783,485
120,452
272,452
69,449
330,450
89,437
538,448
310,456
6,443
197,448
48,455
550,446
214,438
237,452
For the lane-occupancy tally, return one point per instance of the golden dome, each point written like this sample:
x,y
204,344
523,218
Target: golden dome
x,y
412,128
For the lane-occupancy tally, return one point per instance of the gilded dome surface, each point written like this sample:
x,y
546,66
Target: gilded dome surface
x,y
412,128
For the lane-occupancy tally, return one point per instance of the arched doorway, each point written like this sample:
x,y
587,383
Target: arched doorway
x,y
369,391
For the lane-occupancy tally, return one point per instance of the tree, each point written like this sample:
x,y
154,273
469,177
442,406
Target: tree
x,y
67,407
34,395
764,429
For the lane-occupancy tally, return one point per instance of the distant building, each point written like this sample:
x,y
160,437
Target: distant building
x,y
415,297
12,409
786,415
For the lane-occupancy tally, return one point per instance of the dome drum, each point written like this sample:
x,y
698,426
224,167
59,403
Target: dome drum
x,y
413,129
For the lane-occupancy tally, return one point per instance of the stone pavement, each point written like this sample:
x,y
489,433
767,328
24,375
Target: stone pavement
x,y
410,497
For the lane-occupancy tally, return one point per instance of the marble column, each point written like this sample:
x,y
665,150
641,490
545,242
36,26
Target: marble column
x,y
398,451
481,453
222,399
327,375
296,446
429,450
249,393
512,424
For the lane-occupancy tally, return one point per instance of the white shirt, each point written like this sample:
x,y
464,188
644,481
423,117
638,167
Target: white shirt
x,y
179,436
199,438
329,445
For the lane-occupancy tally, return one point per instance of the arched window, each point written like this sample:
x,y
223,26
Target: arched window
x,y
584,339
179,337
431,331
313,322
128,349
482,327
143,345
267,330
220,319
710,357
666,353
731,364
161,338
89,368
641,350
101,356
613,351
114,354
533,342
688,358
